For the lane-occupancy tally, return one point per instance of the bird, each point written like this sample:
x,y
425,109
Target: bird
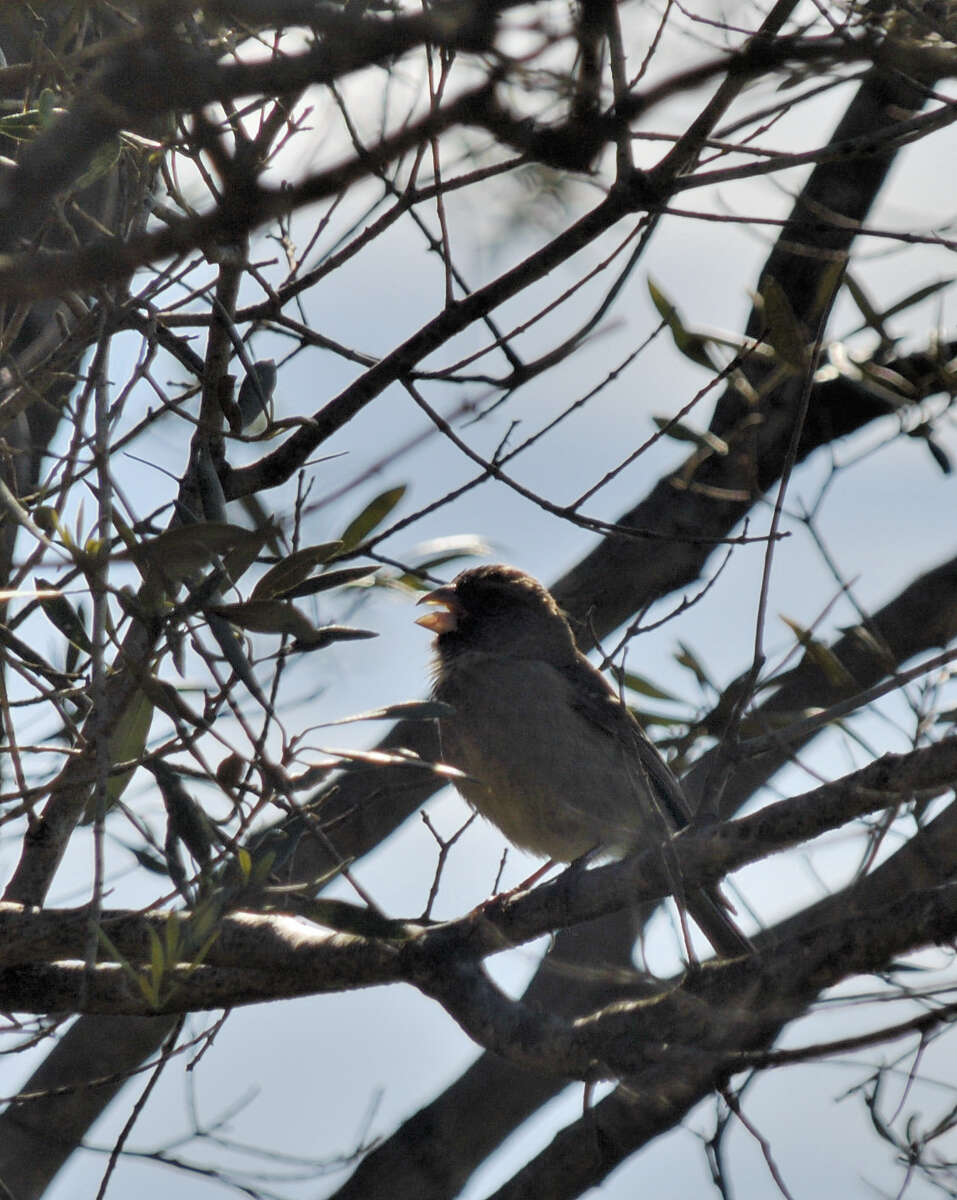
x,y
548,751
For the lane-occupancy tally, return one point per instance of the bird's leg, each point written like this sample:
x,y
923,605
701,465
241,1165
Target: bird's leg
x,y
500,897
571,870
533,878
576,865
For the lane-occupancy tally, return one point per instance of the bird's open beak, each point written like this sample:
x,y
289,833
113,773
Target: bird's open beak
x,y
441,622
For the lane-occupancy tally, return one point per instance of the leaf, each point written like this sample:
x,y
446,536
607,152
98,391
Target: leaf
x,y
266,616
171,935
692,345
872,318
374,513
783,331
325,635
187,821
21,125
822,656
327,580
47,518
349,918
72,649
238,561
396,758
245,861
104,159
148,860
646,717
157,960
124,530
255,396
828,285
644,686
687,658
261,519
176,552
293,569
168,700
127,743
208,484
439,552
761,723
873,645
27,654
704,439
406,710
263,867
61,613
235,655
922,293
940,456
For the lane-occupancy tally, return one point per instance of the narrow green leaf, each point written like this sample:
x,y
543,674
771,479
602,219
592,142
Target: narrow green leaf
x,y
124,530
235,655
325,635
266,616
783,331
644,686
327,580
822,656
104,159
157,960
692,345
148,861
293,569
61,613
245,861
176,552
236,562
46,106
260,518
681,432
187,821
872,318
439,552
371,517
171,935
349,918
828,284
263,865
646,717
255,396
687,658
73,650
210,488
873,644
127,742
922,293
406,710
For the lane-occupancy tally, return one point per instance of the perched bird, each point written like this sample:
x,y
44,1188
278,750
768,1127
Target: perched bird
x,y
553,757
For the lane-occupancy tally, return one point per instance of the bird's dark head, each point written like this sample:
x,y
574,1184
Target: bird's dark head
x,y
498,610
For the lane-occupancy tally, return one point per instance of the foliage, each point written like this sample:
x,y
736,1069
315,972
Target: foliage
x,y
206,216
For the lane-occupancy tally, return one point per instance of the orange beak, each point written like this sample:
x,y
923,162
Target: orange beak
x,y
441,622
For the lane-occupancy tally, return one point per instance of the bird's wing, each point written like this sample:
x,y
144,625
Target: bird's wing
x,y
549,777
596,700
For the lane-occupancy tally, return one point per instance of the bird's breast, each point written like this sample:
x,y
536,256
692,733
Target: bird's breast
x,y
553,782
